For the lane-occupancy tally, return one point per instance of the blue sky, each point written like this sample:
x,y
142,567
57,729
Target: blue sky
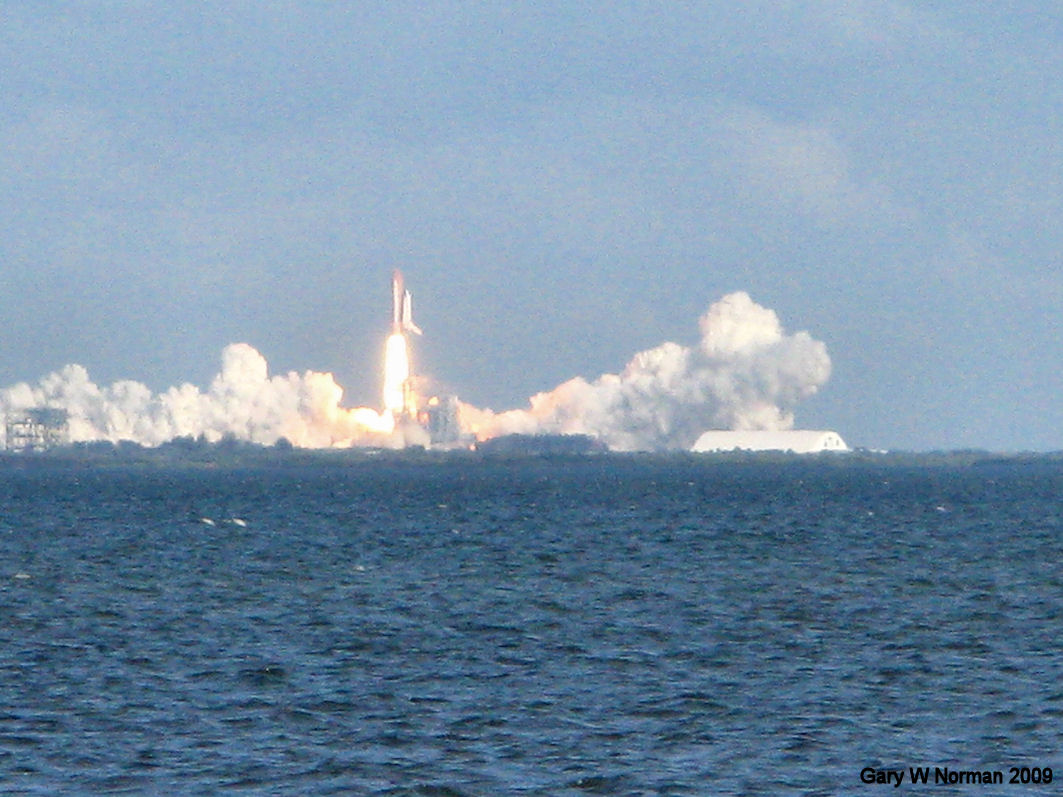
x,y
563,184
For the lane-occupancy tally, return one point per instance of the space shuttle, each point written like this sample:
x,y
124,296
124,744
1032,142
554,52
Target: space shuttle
x,y
401,307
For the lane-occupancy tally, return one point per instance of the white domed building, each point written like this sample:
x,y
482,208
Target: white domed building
x,y
797,441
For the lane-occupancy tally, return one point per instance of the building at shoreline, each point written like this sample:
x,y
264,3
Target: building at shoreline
x,y
37,429
797,441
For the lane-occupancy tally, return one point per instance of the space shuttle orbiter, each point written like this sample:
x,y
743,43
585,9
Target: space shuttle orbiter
x,y
401,307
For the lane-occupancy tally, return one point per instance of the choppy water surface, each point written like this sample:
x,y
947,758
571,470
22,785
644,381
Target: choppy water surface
x,y
599,626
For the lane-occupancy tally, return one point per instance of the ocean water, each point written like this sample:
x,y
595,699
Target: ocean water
x,y
610,625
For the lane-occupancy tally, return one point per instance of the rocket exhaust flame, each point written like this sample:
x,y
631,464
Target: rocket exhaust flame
x,y
399,399
396,375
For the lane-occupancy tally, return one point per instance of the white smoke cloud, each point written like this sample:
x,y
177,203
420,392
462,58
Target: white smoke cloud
x,y
745,373
243,402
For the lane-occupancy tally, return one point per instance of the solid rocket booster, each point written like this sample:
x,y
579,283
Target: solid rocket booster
x,y
401,307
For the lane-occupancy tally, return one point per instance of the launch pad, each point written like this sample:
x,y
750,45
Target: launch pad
x,y
431,421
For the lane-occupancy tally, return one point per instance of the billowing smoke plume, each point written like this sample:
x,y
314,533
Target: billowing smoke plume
x,y
744,374
243,402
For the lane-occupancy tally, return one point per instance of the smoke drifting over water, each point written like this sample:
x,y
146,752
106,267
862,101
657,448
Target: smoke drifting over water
x,y
745,373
